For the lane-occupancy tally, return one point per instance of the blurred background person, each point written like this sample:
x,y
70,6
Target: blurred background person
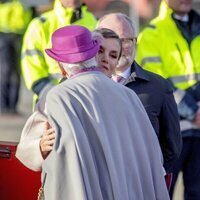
x,y
170,46
14,19
40,71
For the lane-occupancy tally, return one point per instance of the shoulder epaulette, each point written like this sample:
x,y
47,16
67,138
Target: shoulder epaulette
x,y
42,19
151,26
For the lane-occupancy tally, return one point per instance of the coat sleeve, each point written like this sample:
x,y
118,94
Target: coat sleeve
x,y
148,51
170,136
28,149
33,64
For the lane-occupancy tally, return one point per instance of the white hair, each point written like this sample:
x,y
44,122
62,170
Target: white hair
x,y
73,68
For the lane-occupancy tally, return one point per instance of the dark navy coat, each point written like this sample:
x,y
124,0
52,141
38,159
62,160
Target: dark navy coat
x,y
157,97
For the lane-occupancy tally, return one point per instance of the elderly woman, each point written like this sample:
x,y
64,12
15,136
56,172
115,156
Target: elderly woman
x,y
102,149
35,145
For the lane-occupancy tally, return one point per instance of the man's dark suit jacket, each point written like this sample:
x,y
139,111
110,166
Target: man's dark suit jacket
x,y
157,97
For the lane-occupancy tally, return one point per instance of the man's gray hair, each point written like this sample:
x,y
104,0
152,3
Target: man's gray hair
x,y
120,16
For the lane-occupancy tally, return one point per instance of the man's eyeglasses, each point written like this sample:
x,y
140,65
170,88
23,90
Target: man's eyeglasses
x,y
128,41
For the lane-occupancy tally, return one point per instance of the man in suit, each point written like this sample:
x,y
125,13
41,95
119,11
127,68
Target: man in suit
x,y
154,92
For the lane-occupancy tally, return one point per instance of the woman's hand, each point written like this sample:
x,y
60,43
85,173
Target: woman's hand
x,y
47,140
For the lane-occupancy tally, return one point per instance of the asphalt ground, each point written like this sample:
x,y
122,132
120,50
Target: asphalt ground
x,y
11,125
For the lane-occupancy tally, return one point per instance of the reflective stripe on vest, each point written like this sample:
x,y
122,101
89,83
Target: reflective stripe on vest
x,y
185,78
187,125
32,52
150,59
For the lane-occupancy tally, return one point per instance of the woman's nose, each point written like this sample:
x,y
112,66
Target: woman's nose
x,y
105,58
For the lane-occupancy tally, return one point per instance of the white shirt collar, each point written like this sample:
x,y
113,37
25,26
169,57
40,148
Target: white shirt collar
x,y
185,18
125,74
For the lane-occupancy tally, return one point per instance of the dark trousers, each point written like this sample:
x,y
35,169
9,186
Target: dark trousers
x,y
189,164
9,72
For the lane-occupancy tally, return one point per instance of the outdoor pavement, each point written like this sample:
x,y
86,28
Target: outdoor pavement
x,y
11,127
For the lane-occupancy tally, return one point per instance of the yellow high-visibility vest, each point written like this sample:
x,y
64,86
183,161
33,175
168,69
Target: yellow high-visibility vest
x,y
163,50
36,64
14,18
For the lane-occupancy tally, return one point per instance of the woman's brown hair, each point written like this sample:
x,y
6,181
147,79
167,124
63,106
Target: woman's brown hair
x,y
108,33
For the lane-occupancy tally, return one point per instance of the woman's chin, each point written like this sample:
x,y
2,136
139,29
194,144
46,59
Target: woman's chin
x,y
106,71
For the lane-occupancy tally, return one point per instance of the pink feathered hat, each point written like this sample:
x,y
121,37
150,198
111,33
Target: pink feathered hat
x,y
72,44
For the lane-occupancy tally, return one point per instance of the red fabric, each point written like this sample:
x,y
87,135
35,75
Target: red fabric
x,y
168,180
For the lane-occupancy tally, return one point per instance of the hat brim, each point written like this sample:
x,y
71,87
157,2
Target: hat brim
x,y
74,57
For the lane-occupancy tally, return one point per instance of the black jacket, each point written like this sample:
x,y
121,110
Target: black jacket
x,y
157,97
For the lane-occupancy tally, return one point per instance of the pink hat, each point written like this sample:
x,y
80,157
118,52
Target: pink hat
x,y
72,44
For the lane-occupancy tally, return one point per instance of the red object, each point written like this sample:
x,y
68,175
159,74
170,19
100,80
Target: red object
x,y
16,181
168,180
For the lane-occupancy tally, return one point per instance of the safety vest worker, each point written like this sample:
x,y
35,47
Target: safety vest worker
x,y
39,70
166,48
